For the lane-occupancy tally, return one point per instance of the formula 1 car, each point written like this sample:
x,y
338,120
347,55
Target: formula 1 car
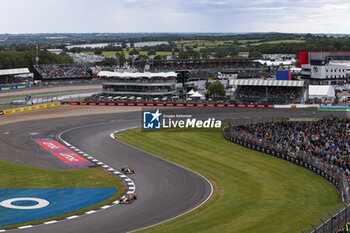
x,y
127,170
128,198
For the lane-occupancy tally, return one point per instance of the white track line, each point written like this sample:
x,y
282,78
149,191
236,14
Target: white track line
x,y
211,185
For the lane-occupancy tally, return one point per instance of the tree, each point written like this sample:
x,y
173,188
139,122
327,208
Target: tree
x,y
152,52
205,53
216,89
255,54
108,62
121,59
134,52
98,51
158,57
142,58
124,45
221,53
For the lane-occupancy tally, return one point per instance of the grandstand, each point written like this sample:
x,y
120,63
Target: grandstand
x,y
260,91
62,72
138,84
15,76
206,68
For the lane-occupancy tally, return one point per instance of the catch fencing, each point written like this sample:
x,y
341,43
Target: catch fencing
x,y
329,172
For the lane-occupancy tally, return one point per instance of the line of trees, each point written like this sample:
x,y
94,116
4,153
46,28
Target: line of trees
x,y
11,60
293,48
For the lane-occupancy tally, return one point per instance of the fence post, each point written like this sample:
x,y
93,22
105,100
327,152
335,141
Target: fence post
x,y
314,228
346,213
331,221
339,216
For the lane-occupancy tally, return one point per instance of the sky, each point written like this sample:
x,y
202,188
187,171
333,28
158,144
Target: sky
x,y
86,16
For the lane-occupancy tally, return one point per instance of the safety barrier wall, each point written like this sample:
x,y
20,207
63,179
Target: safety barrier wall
x,y
149,104
335,222
15,87
11,111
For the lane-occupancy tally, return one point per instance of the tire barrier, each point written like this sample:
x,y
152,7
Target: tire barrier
x,y
334,223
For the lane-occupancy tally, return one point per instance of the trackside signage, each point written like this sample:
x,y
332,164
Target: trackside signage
x,y
155,119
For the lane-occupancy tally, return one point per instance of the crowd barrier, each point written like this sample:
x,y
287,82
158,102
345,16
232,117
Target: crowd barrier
x,y
16,110
147,104
15,87
331,174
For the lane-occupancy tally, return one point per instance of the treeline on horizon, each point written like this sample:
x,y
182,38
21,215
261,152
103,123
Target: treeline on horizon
x,y
15,59
294,48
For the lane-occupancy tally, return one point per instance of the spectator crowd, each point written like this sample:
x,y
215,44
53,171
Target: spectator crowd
x,y
274,95
168,65
63,71
327,139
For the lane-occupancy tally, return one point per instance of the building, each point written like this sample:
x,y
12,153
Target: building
x,y
260,91
325,68
145,85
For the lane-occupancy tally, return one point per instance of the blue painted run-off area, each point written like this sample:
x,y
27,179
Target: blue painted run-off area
x,y
62,201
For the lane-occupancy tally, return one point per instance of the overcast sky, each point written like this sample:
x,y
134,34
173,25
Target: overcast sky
x,y
39,16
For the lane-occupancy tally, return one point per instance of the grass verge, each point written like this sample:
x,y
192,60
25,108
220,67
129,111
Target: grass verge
x,y
14,175
253,192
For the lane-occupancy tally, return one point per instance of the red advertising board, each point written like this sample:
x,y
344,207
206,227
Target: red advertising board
x,y
251,105
180,105
131,104
150,104
121,104
189,105
83,103
170,105
210,105
92,103
160,104
220,105
231,105
200,105
270,106
140,104
260,106
241,105
111,104
69,157
102,104
73,103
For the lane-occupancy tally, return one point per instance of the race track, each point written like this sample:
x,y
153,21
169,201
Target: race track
x,y
164,190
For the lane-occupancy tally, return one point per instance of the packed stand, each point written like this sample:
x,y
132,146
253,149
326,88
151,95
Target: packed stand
x,y
327,139
63,71
196,65
273,95
11,80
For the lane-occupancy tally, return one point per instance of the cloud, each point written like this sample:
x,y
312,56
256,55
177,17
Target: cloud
x,y
174,16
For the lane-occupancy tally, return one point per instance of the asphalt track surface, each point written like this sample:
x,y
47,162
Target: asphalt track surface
x,y
164,190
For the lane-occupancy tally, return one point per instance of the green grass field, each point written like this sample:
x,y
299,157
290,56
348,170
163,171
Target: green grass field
x,y
14,175
253,192
279,41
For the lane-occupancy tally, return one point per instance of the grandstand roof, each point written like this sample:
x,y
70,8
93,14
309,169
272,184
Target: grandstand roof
x,y
14,71
136,75
269,83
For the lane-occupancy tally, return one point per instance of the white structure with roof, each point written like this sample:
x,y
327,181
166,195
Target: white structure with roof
x,y
267,83
146,84
136,75
321,94
14,71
